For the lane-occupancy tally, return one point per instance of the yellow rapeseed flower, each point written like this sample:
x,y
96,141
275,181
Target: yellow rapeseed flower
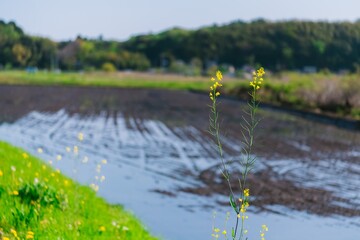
x,y
257,79
102,229
246,192
264,228
224,232
25,155
214,93
1,173
6,238
219,75
260,72
15,193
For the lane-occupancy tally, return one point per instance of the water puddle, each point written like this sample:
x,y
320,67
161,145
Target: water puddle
x,y
162,165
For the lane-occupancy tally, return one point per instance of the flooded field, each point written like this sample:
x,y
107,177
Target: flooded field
x,y
163,167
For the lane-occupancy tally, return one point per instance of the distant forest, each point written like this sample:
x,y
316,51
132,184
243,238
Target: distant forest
x,y
288,45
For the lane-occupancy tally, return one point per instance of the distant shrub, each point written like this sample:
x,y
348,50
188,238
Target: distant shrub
x,y
108,67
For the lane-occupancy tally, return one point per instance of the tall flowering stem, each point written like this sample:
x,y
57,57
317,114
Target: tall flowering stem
x,y
247,160
214,128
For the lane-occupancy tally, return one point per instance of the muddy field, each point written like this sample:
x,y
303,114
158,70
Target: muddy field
x,y
161,137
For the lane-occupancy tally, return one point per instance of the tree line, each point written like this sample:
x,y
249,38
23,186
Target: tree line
x,y
286,45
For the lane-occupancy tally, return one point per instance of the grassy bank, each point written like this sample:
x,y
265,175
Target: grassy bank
x,y
337,95
38,202
330,94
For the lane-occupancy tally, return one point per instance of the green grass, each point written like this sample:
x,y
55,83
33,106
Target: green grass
x,y
332,94
99,79
34,197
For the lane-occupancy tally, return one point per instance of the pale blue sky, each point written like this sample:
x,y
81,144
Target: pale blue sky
x,y
119,19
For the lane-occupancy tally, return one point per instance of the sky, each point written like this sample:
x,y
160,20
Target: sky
x,y
121,19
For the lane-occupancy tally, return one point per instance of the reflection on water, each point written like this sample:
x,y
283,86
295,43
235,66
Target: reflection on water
x,y
162,165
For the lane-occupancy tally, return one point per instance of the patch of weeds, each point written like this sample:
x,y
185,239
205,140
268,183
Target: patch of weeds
x,y
40,193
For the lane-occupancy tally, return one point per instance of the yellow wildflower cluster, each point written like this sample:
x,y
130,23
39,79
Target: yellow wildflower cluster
x,y
264,229
246,192
15,234
216,234
257,78
214,93
29,235
244,205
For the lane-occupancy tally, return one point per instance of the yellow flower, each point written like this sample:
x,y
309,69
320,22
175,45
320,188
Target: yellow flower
x,y
217,94
102,229
25,155
13,232
212,79
15,193
216,230
264,228
1,173
224,232
81,136
260,72
219,75
29,235
6,238
257,79
246,192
